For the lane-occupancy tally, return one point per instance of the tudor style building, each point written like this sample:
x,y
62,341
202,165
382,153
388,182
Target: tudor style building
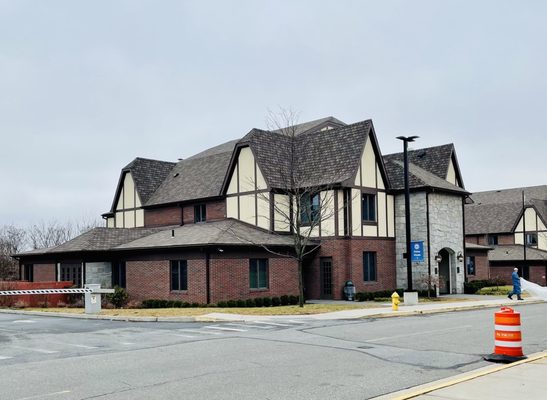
x,y
197,230
497,225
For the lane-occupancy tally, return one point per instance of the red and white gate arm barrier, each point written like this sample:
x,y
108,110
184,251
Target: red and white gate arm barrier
x,y
44,291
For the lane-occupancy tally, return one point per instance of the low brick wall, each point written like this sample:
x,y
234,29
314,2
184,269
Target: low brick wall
x,y
33,300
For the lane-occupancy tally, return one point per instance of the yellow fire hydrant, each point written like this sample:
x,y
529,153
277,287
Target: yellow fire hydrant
x,y
395,301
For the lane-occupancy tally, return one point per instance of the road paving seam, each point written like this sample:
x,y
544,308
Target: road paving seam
x,y
410,393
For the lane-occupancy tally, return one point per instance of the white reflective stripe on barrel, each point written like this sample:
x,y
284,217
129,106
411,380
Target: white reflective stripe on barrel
x,y
507,328
502,343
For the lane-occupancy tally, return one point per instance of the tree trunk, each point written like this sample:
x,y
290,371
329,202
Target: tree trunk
x,y
300,284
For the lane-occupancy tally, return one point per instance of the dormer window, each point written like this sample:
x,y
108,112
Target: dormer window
x,y
200,213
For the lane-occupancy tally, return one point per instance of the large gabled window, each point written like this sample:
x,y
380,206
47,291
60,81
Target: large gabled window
x,y
309,209
368,207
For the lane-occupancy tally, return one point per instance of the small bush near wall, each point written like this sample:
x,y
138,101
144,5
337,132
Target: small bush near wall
x,y
473,287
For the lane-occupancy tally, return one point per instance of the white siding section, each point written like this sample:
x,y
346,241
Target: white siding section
x,y
129,191
328,213
140,218
119,219
110,222
247,212
281,213
119,205
368,164
356,212
232,187
231,207
260,181
369,230
340,212
451,174
129,219
358,176
246,170
382,217
390,216
263,203
379,179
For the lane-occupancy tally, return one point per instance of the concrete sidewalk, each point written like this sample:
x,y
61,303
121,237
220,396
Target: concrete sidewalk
x,y
382,311
524,379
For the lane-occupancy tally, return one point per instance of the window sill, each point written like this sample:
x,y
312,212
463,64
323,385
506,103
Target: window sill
x,y
259,290
369,222
179,291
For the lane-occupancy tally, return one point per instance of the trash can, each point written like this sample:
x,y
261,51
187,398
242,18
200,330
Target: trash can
x,y
349,291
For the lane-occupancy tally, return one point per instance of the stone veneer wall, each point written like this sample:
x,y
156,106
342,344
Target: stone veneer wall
x,y
446,231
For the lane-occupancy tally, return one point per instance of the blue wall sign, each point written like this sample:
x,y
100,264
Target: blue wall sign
x,y
417,251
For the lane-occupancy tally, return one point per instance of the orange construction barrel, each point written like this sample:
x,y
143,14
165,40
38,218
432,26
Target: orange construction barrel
x,y
507,336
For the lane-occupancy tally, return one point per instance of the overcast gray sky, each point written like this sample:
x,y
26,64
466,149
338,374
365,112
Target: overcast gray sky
x,y
86,86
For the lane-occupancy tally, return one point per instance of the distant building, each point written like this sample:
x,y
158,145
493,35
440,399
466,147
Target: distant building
x,y
506,229
178,230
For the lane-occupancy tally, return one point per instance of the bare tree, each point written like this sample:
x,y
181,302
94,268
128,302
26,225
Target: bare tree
x,y
54,233
304,201
12,240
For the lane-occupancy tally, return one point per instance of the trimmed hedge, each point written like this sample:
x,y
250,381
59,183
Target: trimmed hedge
x,y
256,302
473,287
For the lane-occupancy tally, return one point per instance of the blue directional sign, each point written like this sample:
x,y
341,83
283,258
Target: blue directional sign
x,y
417,251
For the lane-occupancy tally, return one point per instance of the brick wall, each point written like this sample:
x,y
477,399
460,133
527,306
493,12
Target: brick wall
x,y
502,273
229,277
215,211
538,274
162,216
347,264
34,300
482,266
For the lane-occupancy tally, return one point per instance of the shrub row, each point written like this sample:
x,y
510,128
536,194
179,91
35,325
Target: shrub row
x,y
154,303
260,302
256,302
473,287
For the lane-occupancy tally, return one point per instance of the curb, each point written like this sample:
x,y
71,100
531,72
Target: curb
x,y
416,391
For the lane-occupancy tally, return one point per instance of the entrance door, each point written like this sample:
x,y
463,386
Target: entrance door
x,y
444,272
326,278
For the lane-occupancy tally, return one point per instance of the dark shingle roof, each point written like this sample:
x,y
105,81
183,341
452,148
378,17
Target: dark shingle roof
x,y
320,158
97,239
147,175
475,246
497,211
193,178
515,252
417,177
311,126
491,218
432,159
226,232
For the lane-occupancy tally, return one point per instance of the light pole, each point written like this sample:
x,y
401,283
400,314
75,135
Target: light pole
x,y
405,140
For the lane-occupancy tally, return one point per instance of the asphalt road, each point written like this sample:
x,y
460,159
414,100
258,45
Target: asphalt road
x,y
58,358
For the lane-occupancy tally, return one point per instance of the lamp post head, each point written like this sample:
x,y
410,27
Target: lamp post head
x,y
407,138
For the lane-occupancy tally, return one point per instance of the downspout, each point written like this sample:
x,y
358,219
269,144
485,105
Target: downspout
x,y
464,253
208,276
